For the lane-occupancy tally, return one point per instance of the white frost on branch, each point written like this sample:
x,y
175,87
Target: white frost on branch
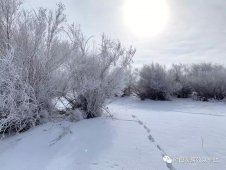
x,y
18,107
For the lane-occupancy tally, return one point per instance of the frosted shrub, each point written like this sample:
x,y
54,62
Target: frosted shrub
x,y
39,52
51,62
154,83
27,84
18,108
131,78
96,75
208,81
181,85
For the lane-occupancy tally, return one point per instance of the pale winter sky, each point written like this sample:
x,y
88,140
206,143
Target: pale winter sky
x,y
164,31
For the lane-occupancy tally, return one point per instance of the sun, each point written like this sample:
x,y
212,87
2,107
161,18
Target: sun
x,y
146,18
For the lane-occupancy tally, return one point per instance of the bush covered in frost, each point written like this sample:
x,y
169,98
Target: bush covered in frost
x,y
154,83
208,81
18,106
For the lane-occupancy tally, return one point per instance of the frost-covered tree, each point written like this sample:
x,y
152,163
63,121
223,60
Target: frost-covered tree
x,y
179,76
9,10
154,83
38,54
208,81
130,84
18,106
49,62
40,51
95,75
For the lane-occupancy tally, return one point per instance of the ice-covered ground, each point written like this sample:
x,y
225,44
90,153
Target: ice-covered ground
x,y
140,135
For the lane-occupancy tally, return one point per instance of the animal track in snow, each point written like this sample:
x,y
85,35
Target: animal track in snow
x,y
169,165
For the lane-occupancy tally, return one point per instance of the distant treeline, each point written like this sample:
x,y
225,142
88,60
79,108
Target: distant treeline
x,y
202,81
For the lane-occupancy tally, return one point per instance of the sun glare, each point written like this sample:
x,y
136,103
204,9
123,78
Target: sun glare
x,y
146,18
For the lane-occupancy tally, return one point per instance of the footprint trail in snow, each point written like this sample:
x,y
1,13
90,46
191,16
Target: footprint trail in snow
x,y
164,155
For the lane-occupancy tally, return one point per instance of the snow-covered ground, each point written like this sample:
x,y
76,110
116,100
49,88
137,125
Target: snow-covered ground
x,y
141,133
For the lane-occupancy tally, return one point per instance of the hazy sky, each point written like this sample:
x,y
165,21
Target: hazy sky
x,y
195,32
